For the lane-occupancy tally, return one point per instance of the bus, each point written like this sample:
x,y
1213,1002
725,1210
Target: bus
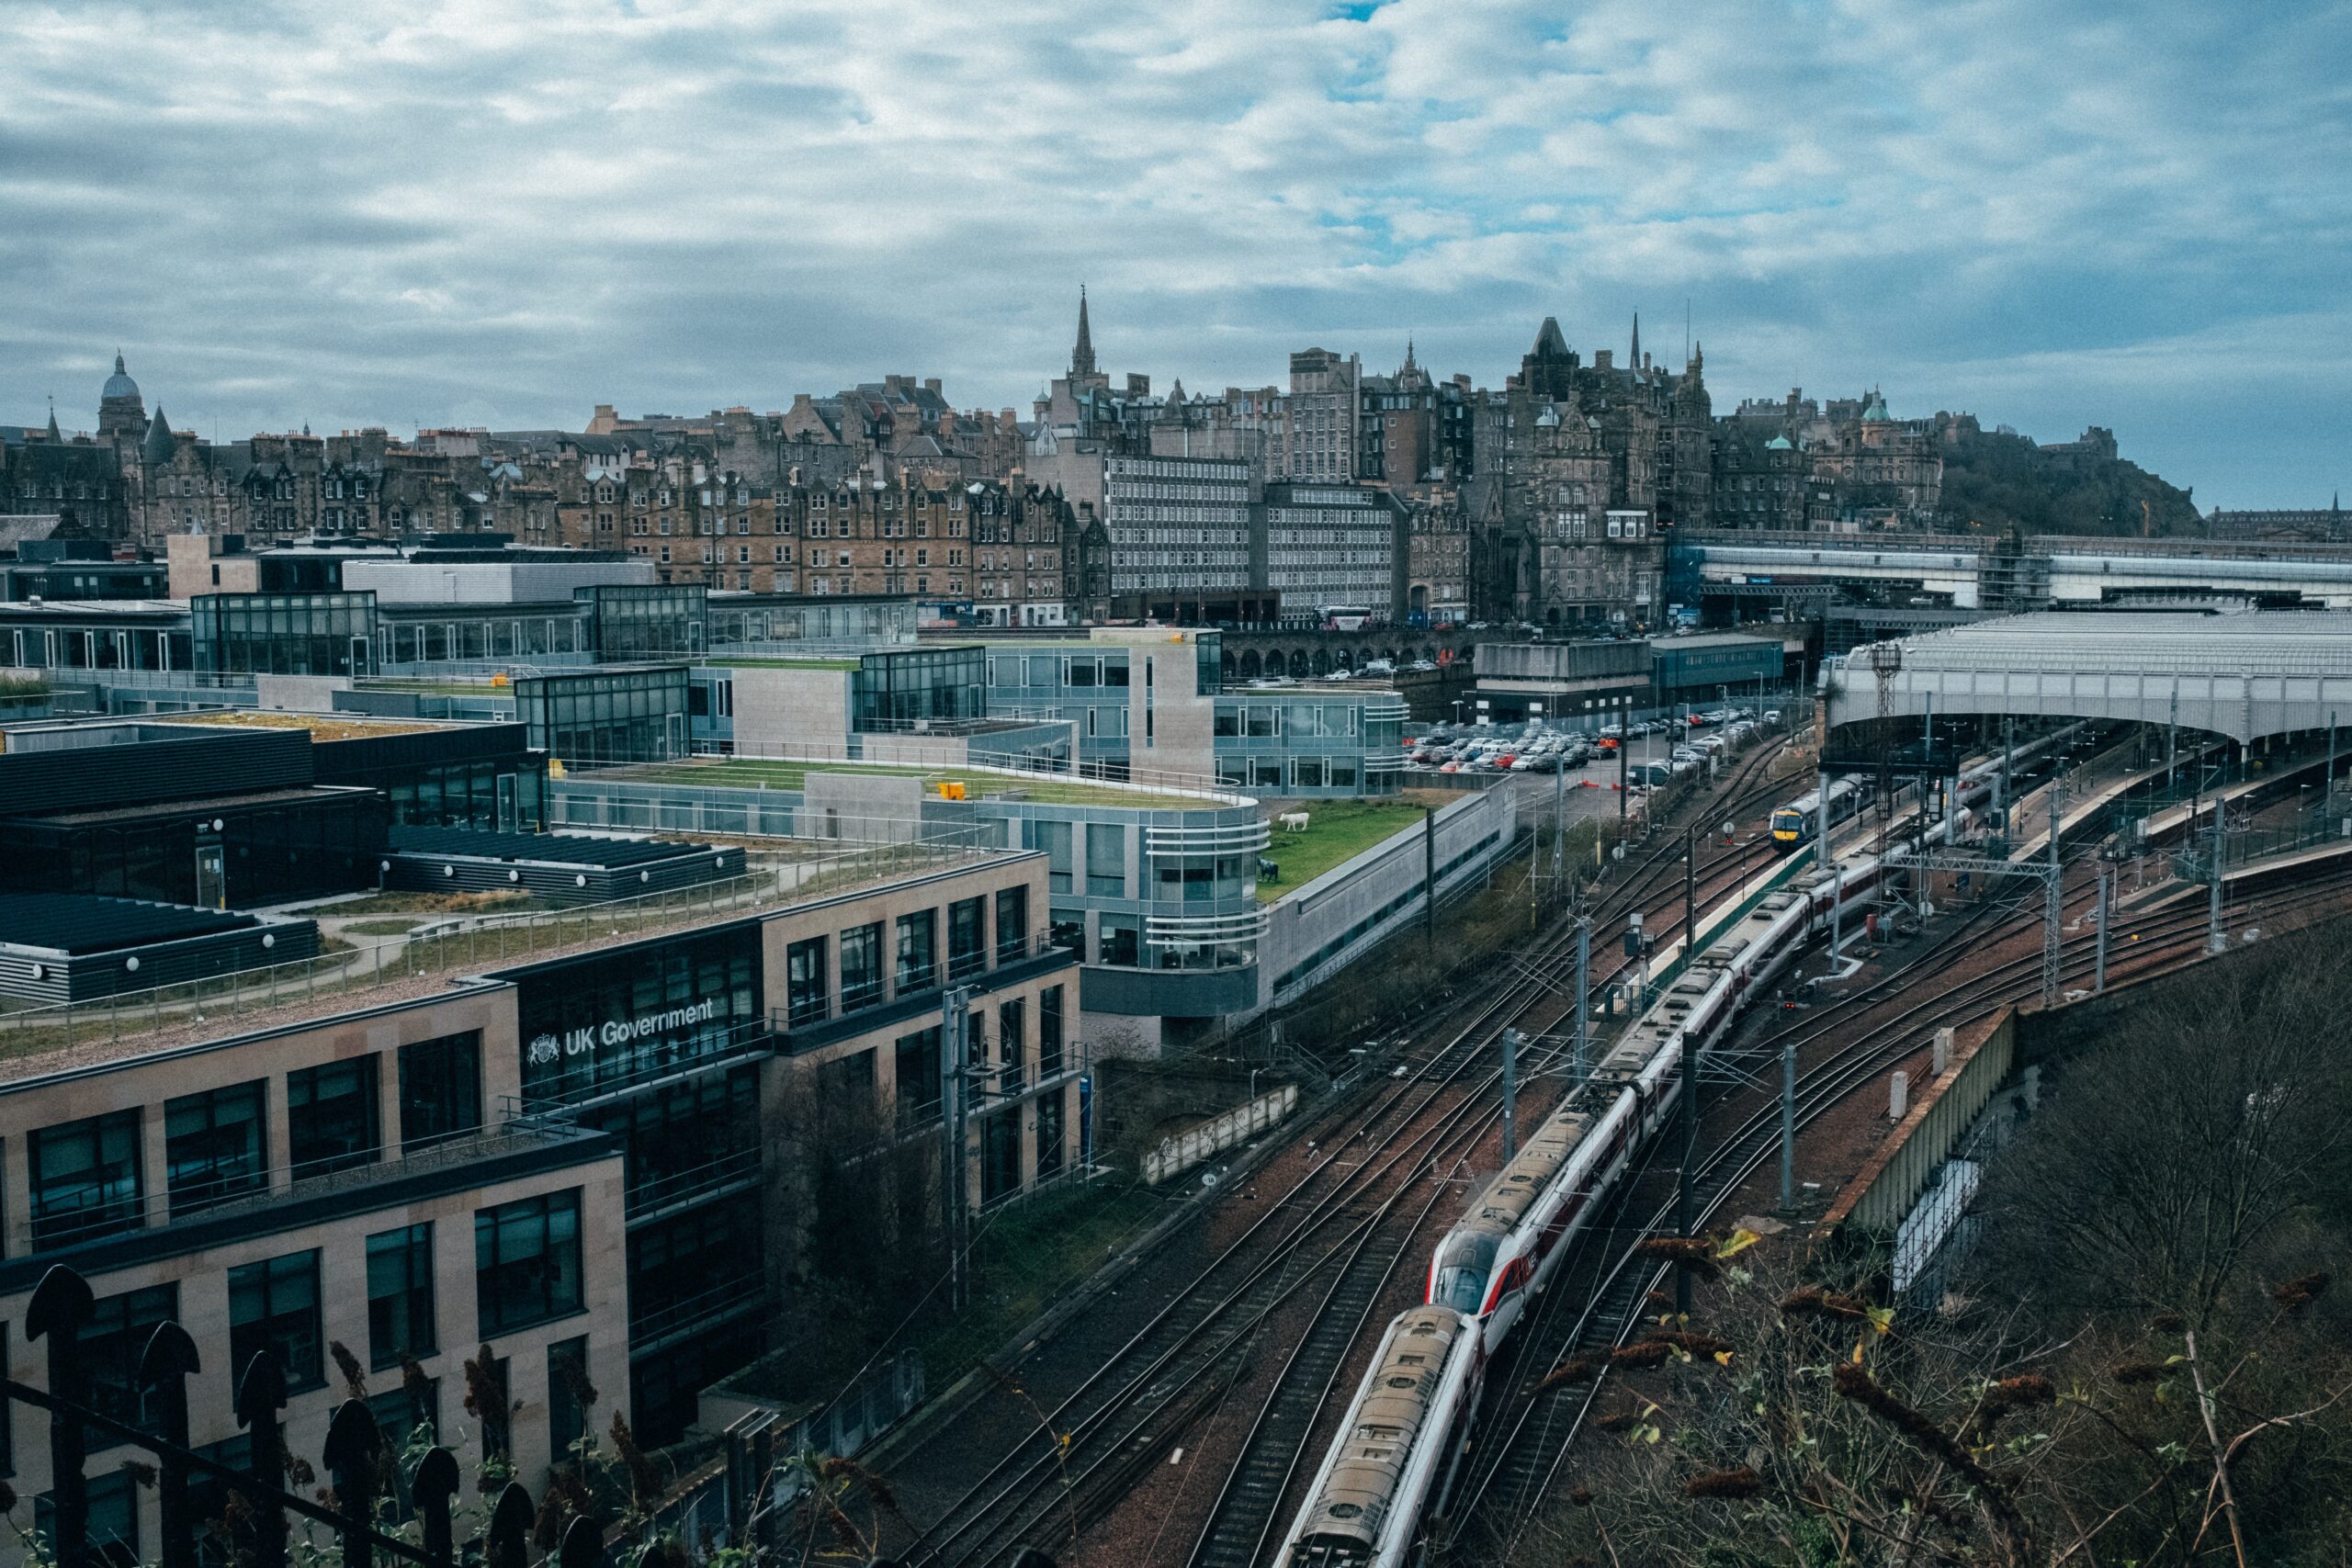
x,y
1345,617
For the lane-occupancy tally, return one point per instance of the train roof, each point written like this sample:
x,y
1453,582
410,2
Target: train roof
x,y
1346,1519
1507,1197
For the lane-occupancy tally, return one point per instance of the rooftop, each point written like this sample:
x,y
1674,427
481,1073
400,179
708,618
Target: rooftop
x,y
1336,832
449,955
322,726
73,923
980,784
542,849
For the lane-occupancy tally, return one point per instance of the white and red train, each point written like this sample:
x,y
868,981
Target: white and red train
x,y
1391,1458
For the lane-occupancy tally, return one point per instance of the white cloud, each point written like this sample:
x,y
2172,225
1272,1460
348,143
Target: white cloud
x,y
379,211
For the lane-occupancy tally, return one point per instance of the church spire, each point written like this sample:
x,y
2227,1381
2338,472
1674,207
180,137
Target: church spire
x,y
1082,357
1636,358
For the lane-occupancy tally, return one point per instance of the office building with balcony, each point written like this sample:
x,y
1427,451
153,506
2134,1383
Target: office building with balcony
x,y
581,1164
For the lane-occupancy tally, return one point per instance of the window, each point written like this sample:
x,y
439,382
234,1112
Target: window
x,y
919,1076
400,1295
331,1123
214,1146
1119,939
113,1519
917,953
274,1306
967,938
86,1179
440,1088
1106,860
111,1343
1054,838
1011,923
861,966
571,1397
1066,927
526,1262
1012,1044
1049,1031
807,996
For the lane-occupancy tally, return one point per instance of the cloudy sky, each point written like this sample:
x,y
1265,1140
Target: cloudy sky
x,y
504,211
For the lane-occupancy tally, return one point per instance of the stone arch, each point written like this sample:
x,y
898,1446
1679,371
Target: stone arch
x,y
1322,663
1248,666
1300,665
1345,659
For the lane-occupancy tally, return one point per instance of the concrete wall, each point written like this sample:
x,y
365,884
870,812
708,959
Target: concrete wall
x,y
300,693
488,583
799,712
1324,910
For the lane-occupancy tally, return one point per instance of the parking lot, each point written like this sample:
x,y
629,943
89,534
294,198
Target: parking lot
x,y
1532,752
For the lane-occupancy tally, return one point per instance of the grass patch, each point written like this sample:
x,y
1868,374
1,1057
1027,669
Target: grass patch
x,y
1023,1258
1028,1256
396,903
381,928
320,727
1336,831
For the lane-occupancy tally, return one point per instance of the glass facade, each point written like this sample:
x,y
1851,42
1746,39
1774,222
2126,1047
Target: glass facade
x,y
400,1295
605,715
268,854
594,1025
895,689
273,1305
633,621
526,1262
283,634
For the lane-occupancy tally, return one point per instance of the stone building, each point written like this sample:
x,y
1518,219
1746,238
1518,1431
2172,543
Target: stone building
x,y
1413,429
1581,470
1436,558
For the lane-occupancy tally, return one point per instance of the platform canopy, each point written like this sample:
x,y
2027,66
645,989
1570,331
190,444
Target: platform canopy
x,y
2243,675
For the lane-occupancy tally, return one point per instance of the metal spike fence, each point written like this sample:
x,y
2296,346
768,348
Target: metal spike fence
x,y
354,1456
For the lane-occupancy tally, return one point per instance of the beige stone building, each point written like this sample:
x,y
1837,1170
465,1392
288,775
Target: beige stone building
x,y
596,1165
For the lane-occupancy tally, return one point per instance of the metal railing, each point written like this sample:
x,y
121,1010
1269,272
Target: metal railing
x,y
818,1008
467,943
1010,764
356,1455
244,1190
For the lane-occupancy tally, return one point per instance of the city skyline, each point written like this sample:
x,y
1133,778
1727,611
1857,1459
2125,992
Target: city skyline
x,y
476,216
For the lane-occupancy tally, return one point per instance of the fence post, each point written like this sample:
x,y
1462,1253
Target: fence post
x,y
350,1458
165,1365
584,1544
434,1491
261,1393
509,1528
61,1307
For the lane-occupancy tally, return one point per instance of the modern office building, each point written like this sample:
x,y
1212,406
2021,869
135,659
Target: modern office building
x,y
586,1169
1320,547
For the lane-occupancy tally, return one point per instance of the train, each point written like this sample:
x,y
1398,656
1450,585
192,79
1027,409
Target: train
x,y
1795,824
1392,1455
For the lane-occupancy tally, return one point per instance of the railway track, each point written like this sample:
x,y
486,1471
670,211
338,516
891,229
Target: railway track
x,y
1249,1504
1519,1453
1158,1383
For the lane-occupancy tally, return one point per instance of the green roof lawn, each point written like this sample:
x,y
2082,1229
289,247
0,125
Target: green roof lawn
x,y
1336,831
